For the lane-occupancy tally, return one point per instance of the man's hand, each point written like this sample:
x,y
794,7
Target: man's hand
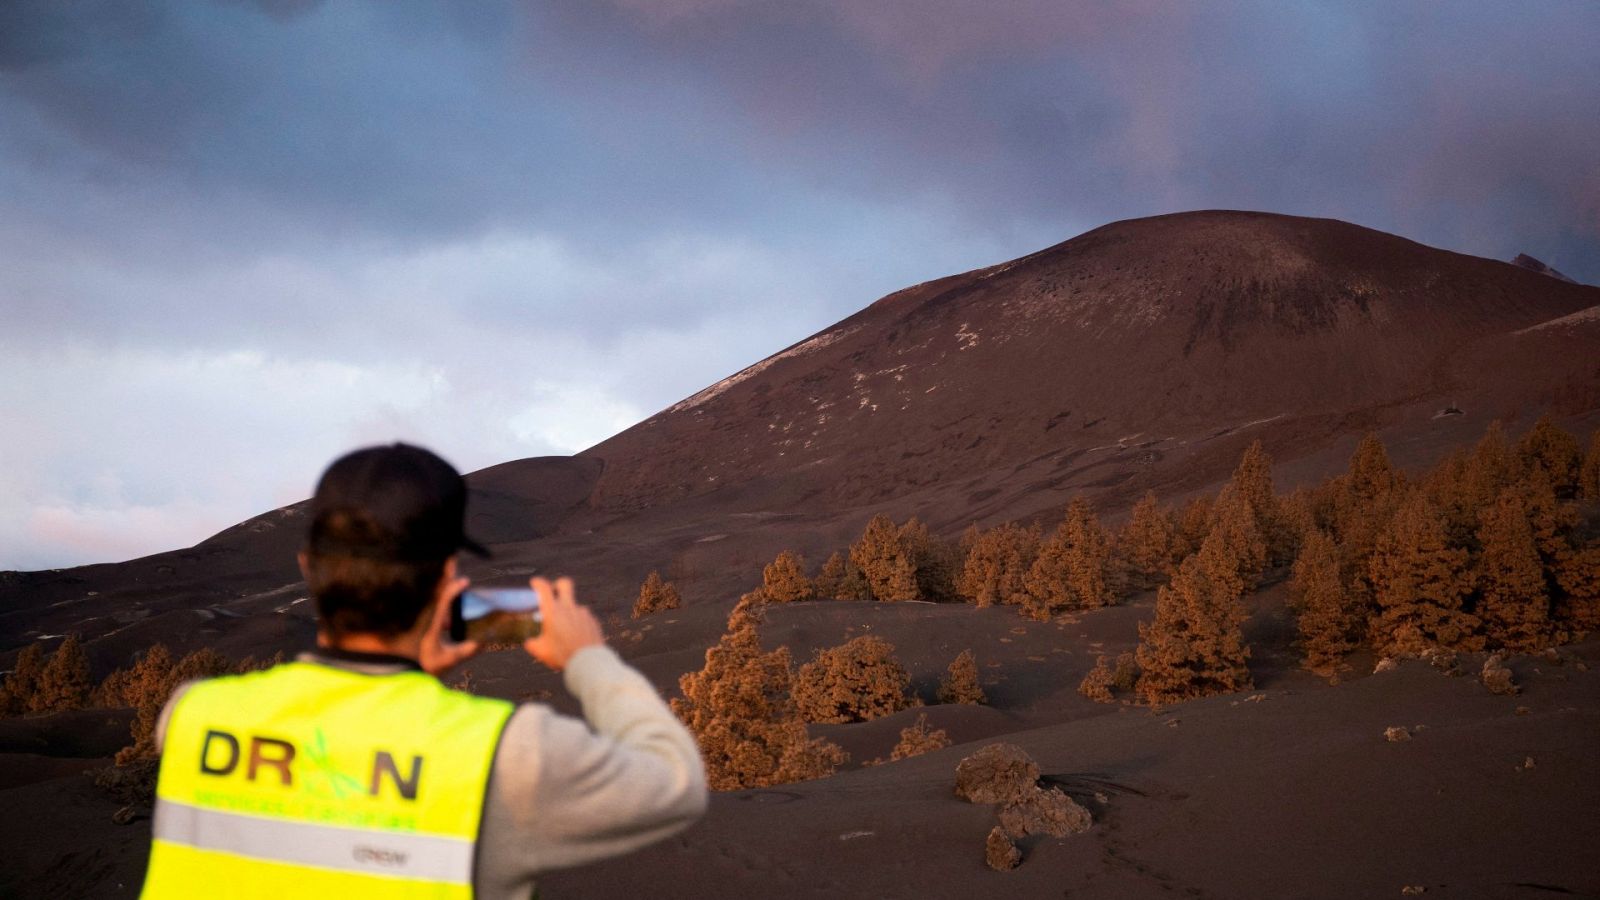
x,y
567,627
436,655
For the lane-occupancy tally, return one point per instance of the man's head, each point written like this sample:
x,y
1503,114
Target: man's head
x,y
386,523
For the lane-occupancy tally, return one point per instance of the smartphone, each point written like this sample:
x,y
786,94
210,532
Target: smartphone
x,y
495,615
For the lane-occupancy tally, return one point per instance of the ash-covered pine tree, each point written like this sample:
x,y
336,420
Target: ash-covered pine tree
x,y
1235,536
1548,446
784,579
960,682
1327,620
655,595
996,565
1420,584
1194,523
22,682
1252,481
1146,547
1195,647
1070,570
934,560
839,579
885,561
1589,473
64,684
741,711
1514,602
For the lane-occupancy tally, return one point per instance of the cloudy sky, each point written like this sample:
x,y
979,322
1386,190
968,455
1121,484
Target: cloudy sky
x,y
238,237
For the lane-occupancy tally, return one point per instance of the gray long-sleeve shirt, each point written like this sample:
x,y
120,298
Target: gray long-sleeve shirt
x,y
562,792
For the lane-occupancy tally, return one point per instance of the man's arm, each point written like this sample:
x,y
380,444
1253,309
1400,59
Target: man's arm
x,y
561,795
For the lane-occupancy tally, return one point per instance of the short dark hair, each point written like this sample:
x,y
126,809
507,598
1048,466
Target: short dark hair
x,y
383,597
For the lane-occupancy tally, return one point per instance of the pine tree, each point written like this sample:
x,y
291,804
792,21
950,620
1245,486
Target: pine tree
x,y
841,580
655,595
784,579
1514,604
1194,523
1146,547
1235,542
934,560
996,565
1326,619
1252,481
1070,570
1578,606
64,684
1420,584
741,711
1589,474
960,682
920,738
885,561
1195,647
1548,446
157,676
22,683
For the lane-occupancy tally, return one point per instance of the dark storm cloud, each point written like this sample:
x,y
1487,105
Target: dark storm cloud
x,y
1466,125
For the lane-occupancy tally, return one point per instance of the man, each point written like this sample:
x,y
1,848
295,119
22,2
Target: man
x,y
353,772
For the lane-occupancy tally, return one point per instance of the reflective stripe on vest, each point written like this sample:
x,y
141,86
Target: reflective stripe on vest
x,y
311,780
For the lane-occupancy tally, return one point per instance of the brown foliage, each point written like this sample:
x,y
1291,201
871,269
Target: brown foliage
x,y
1000,853
1102,680
1514,604
1579,605
1252,482
841,580
1420,584
784,579
22,683
655,595
740,709
1195,647
1326,617
1146,550
935,561
885,561
960,682
1194,523
64,682
1070,570
919,739
998,773
1548,446
1589,473
1235,541
155,678
854,682
996,564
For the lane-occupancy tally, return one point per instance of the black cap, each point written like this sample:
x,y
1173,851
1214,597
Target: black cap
x,y
399,502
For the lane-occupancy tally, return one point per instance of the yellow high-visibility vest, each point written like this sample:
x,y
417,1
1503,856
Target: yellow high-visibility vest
x,y
312,781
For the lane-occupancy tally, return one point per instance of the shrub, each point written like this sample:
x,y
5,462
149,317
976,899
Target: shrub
x,y
655,595
919,739
960,683
885,562
64,683
854,682
742,713
1102,680
997,773
784,579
